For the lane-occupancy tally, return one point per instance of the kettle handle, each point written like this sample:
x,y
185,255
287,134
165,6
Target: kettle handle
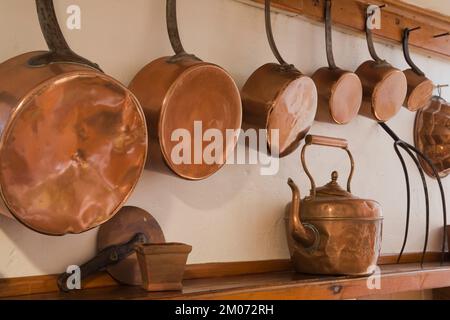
x,y
326,142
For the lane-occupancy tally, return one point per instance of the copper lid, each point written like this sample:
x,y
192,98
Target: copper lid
x,y
334,202
72,153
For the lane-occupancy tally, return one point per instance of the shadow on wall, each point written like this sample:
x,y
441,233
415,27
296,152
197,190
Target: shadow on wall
x,y
166,185
44,254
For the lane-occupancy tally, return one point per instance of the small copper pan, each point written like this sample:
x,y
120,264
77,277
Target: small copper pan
x,y
340,91
384,86
181,92
279,97
73,141
420,88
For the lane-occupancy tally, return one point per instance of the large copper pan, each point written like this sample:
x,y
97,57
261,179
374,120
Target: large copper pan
x,y
73,140
340,91
384,86
420,88
181,92
279,97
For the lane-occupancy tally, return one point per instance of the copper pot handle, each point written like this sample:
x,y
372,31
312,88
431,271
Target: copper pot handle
x,y
174,34
370,44
270,37
60,51
406,53
327,142
329,35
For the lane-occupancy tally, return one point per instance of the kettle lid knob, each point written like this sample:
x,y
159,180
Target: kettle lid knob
x,y
335,176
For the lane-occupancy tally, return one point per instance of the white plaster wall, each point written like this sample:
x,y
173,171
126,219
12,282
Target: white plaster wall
x,y
237,214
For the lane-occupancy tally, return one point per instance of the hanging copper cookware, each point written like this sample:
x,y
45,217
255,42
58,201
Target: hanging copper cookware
x,y
331,231
432,136
73,140
420,88
279,97
340,91
181,92
384,87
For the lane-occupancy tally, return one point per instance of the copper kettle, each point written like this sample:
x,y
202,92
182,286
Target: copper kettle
x,y
333,232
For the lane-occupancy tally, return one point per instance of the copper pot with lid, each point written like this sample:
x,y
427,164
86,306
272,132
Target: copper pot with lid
x,y
331,231
340,91
73,140
182,91
384,87
279,97
420,88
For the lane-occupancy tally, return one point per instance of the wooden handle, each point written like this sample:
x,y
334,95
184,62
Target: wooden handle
x,y
326,141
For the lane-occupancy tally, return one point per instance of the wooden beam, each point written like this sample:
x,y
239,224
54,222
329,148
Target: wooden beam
x,y
350,15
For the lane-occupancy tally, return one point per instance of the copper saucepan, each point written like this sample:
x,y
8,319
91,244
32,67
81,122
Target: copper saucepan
x,y
181,92
420,88
279,97
384,87
340,91
73,140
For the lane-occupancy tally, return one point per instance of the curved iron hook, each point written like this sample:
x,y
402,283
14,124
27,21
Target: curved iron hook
x,y
406,52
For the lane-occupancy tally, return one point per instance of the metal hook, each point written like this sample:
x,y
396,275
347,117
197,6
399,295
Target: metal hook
x,y
439,89
442,35
406,53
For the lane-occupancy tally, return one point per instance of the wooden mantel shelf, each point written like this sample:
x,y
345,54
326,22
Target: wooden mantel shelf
x,y
285,285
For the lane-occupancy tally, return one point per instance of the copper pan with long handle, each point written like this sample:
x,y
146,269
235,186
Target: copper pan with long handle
x,y
185,94
73,140
384,87
340,91
420,88
277,96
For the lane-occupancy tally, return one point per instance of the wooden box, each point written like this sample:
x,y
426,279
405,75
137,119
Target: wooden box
x,y
162,265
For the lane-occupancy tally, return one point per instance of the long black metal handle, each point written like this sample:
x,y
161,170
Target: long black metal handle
x,y
270,37
405,147
406,53
60,51
408,199
329,35
174,34
411,149
369,37
109,256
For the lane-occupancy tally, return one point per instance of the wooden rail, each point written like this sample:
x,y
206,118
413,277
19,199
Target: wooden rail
x,y
396,16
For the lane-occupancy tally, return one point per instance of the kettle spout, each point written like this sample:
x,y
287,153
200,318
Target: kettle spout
x,y
304,236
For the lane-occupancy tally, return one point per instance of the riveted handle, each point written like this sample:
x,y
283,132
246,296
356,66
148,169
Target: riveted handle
x,y
326,142
174,34
107,257
60,51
